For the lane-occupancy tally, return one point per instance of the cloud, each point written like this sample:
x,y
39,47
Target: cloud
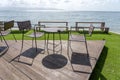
x,y
64,4
93,5
67,1
22,3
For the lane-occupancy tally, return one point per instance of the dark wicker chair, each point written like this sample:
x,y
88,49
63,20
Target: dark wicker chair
x,y
7,28
26,26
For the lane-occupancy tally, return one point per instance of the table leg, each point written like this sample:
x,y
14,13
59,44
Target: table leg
x,y
47,43
53,43
60,42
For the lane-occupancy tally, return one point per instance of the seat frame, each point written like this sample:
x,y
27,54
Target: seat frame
x,y
83,35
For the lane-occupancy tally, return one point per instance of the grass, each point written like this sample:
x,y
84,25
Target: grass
x,y
108,65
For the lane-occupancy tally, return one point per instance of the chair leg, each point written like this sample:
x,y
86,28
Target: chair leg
x,y
4,39
21,45
54,43
60,41
32,42
35,40
13,35
88,53
68,46
47,43
36,44
86,49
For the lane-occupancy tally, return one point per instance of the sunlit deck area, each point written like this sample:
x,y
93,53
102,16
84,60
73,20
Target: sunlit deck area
x,y
49,66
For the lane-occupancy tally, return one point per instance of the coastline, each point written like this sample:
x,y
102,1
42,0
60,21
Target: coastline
x,y
110,18
109,31
114,32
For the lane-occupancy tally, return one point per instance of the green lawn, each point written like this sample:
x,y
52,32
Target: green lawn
x,y
108,65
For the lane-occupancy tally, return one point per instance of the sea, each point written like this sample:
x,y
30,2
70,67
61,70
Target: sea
x,y
111,18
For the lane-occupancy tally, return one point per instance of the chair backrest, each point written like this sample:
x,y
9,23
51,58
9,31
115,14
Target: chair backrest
x,y
91,28
0,29
80,31
8,25
24,25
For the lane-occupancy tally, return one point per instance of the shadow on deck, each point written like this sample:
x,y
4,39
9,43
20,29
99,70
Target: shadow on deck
x,y
99,66
52,66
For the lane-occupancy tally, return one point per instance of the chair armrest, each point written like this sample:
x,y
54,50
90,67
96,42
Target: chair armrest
x,y
38,27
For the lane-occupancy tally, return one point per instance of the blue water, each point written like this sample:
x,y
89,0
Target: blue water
x,y
112,19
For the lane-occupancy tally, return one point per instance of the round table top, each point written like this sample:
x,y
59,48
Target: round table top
x,y
53,29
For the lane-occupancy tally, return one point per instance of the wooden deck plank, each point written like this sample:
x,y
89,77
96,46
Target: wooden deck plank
x,y
9,72
38,71
22,67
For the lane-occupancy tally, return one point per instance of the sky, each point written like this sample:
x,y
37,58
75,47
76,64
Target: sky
x,y
68,5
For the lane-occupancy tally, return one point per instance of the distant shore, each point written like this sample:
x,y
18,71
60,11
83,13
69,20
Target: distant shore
x,y
115,32
109,31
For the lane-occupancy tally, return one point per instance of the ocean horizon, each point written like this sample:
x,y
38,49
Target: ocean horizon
x,y
111,18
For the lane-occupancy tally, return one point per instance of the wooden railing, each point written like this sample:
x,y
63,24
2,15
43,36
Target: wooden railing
x,y
66,23
102,25
54,22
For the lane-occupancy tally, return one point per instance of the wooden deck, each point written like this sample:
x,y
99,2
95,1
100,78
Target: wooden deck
x,y
49,67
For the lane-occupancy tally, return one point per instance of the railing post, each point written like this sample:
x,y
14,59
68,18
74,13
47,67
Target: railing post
x,y
76,25
66,26
102,26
